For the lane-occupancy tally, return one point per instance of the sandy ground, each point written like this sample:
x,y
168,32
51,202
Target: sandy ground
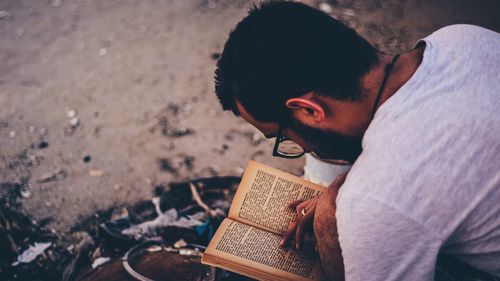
x,y
103,100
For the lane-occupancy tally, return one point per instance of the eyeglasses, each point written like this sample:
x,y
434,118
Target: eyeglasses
x,y
285,147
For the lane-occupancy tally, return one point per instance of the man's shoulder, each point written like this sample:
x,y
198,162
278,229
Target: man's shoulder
x,y
462,37
462,30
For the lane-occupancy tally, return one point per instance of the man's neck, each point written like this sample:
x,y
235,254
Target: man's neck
x,y
402,71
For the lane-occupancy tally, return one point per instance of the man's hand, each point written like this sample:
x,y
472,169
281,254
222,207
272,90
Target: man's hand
x,y
304,219
302,223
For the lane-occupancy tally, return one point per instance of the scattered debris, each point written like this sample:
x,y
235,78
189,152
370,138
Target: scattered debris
x,y
57,174
32,252
199,201
190,252
168,218
180,244
96,173
154,248
174,218
100,261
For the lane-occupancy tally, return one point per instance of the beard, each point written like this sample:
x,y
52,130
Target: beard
x,y
329,145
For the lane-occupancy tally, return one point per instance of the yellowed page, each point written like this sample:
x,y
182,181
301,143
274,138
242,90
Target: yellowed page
x,y
263,194
256,253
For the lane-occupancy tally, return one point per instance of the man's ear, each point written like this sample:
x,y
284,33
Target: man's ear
x,y
306,109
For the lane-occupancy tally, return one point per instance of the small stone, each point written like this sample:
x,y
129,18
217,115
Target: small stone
x,y
180,244
103,51
4,14
70,113
73,122
42,131
256,138
116,187
96,173
349,12
148,181
325,7
87,158
12,134
239,170
31,129
154,249
57,174
48,204
43,145
25,193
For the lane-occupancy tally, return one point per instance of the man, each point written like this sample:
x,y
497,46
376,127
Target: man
x,y
421,129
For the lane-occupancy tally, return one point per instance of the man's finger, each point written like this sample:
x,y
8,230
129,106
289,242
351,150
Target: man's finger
x,y
289,233
294,204
302,226
302,205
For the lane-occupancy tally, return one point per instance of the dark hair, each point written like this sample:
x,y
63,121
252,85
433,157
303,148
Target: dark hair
x,y
286,49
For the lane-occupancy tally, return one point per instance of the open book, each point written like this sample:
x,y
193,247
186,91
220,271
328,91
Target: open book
x,y
247,242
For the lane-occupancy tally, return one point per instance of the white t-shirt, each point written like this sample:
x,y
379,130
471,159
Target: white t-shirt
x,y
428,179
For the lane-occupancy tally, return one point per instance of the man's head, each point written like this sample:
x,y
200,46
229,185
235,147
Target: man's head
x,y
287,63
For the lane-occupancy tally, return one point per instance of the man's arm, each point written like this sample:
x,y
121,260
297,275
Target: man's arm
x,y
325,232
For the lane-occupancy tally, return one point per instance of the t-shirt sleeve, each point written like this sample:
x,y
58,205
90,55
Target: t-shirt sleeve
x,y
380,243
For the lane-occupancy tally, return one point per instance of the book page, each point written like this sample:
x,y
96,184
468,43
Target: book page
x,y
256,253
263,194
